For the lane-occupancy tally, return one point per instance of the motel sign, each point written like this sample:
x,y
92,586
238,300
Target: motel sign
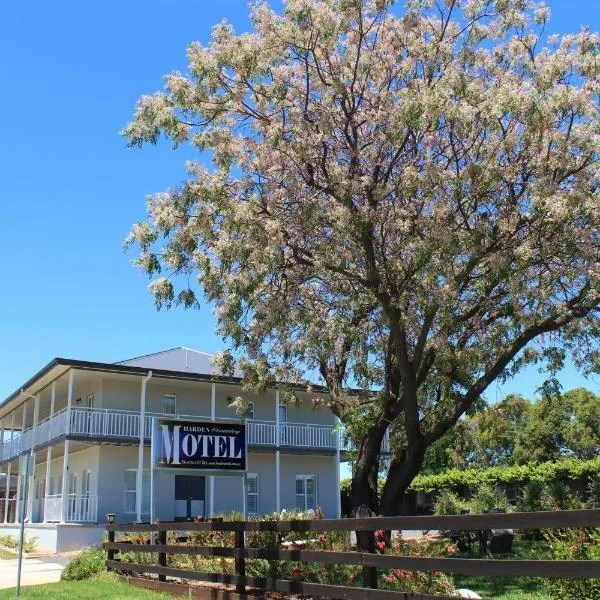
x,y
196,445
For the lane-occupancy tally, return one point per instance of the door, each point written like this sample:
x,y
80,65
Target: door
x,y
282,425
92,425
189,496
38,505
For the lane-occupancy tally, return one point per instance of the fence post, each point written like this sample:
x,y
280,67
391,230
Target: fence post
x,y
162,556
111,538
365,541
240,562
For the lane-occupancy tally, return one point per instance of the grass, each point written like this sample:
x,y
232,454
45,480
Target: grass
x,y
102,587
510,588
7,554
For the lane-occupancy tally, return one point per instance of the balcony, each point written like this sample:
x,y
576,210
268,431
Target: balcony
x,y
108,424
102,423
81,508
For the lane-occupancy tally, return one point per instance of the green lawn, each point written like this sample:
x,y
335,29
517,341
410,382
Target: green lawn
x,y
511,588
7,554
103,587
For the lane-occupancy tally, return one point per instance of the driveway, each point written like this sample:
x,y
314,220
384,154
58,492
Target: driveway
x,y
41,569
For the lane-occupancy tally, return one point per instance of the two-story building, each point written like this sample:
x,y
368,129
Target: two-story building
x,y
87,427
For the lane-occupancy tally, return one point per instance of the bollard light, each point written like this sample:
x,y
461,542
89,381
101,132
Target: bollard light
x,y
110,518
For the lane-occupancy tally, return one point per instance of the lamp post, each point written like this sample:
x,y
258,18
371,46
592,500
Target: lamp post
x,y
110,518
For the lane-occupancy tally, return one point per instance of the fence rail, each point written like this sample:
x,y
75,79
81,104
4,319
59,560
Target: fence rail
x,y
364,556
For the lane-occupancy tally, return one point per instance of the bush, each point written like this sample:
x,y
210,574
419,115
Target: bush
x,y
574,544
448,503
10,541
86,564
558,496
533,498
488,497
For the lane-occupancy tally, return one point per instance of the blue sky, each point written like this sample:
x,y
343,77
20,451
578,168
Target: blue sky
x,y
70,189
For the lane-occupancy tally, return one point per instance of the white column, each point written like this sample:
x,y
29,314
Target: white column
x,y
7,493
69,401
30,496
211,480
277,456
65,471
338,497
49,450
12,433
139,480
18,510
65,484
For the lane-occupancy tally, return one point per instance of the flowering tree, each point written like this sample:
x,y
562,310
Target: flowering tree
x,y
403,200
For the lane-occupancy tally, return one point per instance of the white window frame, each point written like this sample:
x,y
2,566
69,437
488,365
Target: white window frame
x,y
73,484
256,494
86,482
304,478
249,412
170,396
133,492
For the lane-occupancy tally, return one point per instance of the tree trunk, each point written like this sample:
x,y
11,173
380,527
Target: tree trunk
x,y
400,475
366,469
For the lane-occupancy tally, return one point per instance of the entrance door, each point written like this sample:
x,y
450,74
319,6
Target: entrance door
x,y
283,431
189,496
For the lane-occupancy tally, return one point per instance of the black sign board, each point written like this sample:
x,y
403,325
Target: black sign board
x,y
199,445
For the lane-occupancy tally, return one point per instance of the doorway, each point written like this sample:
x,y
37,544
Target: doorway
x,y
189,496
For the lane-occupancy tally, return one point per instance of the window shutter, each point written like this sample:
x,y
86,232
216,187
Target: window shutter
x,y
300,498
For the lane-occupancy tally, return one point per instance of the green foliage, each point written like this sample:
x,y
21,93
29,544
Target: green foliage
x,y
574,544
516,431
488,497
448,503
86,564
12,542
564,469
533,497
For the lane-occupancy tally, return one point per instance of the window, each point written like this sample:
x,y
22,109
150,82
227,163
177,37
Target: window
x,y
252,493
170,404
306,492
85,484
249,412
282,414
72,483
130,491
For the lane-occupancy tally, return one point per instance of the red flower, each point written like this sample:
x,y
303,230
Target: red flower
x,y
381,545
380,534
436,573
389,580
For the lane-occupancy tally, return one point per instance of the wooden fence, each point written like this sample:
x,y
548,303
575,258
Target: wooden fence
x,y
365,555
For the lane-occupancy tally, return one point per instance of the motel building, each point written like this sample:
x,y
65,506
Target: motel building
x,y
88,425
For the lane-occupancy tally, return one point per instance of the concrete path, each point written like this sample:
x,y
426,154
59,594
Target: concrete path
x,y
41,569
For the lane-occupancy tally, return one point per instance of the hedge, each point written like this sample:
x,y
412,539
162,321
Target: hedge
x,y
566,468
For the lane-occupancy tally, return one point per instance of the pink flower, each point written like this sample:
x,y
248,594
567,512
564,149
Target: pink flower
x,y
389,580
381,545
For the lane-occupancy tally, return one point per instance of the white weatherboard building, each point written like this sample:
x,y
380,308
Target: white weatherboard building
x,y
87,426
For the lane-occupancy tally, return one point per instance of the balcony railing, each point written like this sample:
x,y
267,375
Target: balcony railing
x,y
81,508
97,423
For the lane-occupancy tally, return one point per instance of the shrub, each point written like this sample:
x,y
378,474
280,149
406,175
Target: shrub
x,y
488,497
558,496
574,544
86,564
533,497
593,493
448,503
10,541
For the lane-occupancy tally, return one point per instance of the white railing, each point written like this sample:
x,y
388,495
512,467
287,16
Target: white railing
x,y
309,436
96,423
346,444
81,508
53,508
